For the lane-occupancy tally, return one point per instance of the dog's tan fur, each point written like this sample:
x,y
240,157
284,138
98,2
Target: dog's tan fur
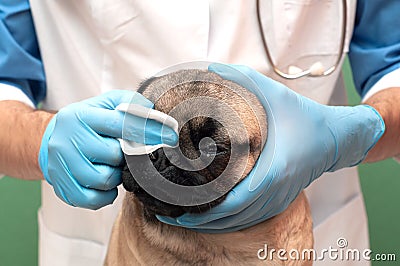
x,y
137,241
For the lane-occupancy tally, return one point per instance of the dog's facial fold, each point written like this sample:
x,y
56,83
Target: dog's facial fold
x,y
191,134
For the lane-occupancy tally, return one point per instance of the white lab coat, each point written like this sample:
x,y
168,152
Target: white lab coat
x,y
92,46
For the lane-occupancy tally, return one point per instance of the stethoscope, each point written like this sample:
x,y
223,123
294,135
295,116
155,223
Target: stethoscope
x,y
315,70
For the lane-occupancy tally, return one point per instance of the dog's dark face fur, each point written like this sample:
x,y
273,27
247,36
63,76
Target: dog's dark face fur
x,y
242,102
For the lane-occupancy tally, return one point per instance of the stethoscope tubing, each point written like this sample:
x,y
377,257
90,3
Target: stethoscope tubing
x,y
307,72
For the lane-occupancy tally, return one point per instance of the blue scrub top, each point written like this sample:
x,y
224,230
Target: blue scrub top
x,y
20,62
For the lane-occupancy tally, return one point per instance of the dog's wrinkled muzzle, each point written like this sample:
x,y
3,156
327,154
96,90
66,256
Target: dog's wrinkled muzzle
x,y
171,173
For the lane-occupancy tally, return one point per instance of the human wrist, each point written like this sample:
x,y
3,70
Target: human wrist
x,y
386,104
38,121
43,149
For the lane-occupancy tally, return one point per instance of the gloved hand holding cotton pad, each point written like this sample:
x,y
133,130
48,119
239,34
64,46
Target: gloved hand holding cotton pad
x,y
135,148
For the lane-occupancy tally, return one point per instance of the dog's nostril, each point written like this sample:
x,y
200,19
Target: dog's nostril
x,y
153,156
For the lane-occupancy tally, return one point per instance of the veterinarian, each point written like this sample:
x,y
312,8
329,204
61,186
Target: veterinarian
x,y
88,48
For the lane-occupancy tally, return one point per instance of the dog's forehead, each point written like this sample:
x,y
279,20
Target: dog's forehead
x,y
197,92
181,85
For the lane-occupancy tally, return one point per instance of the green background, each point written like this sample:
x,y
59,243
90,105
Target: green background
x,y
19,201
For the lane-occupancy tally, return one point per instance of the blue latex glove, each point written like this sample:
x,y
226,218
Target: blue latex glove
x,y
309,139
79,155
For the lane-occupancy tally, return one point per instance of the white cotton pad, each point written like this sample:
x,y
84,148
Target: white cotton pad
x,y
134,148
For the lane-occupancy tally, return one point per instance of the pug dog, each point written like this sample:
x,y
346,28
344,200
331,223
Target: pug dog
x,y
206,107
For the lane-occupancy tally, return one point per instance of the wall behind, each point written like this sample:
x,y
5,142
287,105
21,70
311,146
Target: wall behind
x,y
19,202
